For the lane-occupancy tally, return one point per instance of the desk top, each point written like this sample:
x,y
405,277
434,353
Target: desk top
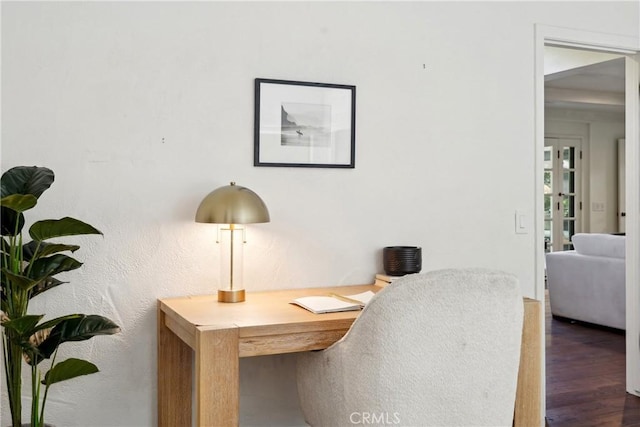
x,y
260,308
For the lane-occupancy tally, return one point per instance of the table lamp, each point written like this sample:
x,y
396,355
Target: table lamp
x,y
232,205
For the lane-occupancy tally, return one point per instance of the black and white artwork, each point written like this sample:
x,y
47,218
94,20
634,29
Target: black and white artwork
x,y
304,124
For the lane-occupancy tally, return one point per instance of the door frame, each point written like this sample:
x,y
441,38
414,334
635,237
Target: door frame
x,y
622,177
564,37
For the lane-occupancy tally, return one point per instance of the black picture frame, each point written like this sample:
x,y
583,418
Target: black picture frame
x,y
304,124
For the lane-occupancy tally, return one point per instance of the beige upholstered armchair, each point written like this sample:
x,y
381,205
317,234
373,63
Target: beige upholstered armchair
x,y
434,349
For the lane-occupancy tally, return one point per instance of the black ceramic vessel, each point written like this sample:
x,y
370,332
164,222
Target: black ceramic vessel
x,y
401,260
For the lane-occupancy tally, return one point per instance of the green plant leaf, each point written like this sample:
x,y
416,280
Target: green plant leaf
x,y
68,369
19,202
30,347
45,249
26,180
11,222
52,265
79,328
23,325
23,282
54,322
50,228
48,283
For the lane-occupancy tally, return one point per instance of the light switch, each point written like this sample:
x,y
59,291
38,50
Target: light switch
x,y
521,220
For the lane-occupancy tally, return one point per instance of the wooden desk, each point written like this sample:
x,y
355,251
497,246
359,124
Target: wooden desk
x,y
219,334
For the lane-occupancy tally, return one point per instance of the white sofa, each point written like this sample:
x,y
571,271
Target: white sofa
x,y
588,283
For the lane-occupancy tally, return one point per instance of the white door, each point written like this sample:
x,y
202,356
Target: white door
x,y
622,209
562,192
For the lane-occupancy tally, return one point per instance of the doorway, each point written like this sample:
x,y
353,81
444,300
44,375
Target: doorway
x,y
628,46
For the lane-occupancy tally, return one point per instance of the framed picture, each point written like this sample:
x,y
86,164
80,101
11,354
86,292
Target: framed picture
x,y
304,124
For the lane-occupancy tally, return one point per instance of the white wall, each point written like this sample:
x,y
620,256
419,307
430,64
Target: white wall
x,y
143,108
604,175
600,132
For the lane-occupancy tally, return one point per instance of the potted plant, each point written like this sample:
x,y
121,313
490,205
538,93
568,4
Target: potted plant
x,y
28,270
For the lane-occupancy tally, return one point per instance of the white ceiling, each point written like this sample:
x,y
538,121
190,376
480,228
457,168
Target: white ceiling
x,y
597,86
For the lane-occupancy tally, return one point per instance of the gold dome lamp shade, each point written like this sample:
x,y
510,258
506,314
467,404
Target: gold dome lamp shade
x,y
233,205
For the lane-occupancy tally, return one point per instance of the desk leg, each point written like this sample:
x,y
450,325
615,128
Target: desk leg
x,y
217,377
528,406
174,377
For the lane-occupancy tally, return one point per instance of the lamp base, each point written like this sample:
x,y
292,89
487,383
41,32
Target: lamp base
x,y
228,295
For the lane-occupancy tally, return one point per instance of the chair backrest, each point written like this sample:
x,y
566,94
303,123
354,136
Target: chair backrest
x,y
440,348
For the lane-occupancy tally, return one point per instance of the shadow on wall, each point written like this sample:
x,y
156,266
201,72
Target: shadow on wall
x,y
268,391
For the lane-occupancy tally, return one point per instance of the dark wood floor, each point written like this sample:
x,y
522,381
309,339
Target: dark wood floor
x,y
586,377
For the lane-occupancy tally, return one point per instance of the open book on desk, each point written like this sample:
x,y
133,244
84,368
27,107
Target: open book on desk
x,y
331,303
